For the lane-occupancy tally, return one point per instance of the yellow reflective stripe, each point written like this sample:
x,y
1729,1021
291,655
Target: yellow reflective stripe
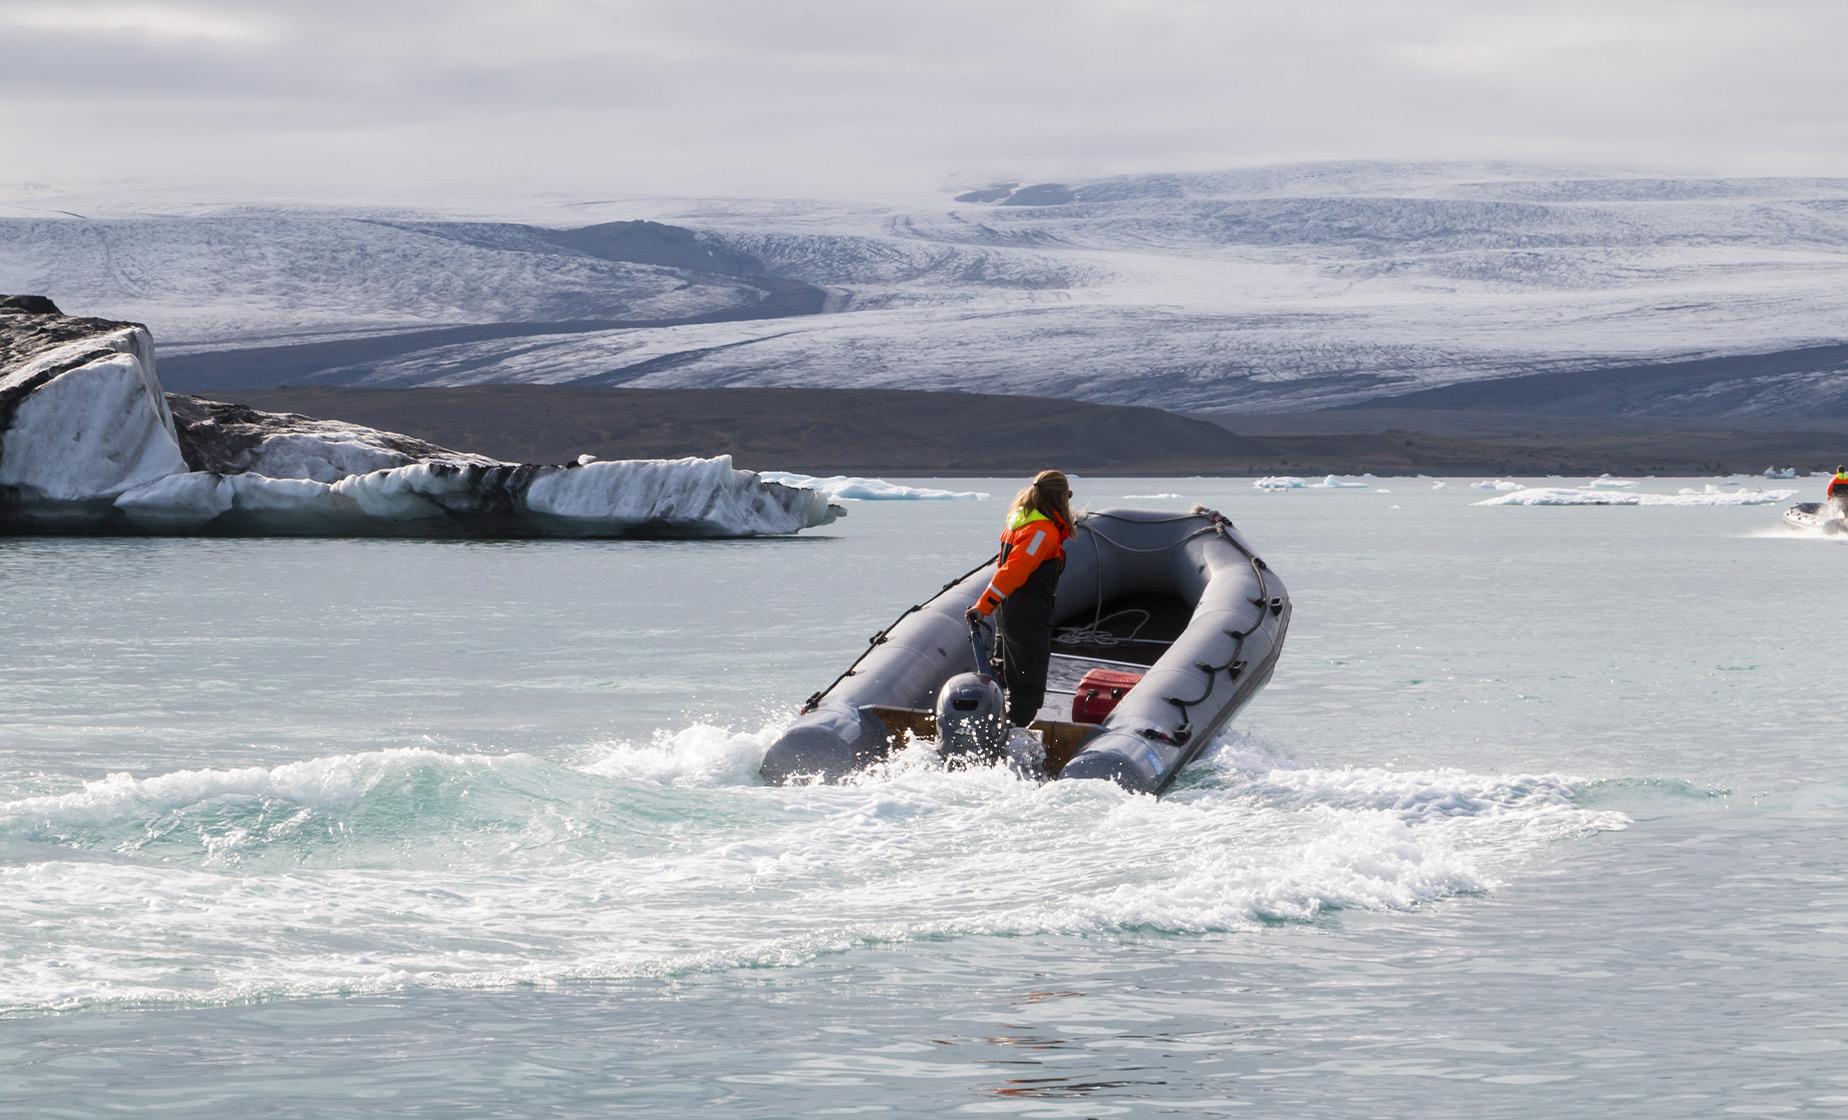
x,y
1020,518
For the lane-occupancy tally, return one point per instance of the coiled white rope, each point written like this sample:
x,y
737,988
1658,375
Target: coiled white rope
x,y
1096,634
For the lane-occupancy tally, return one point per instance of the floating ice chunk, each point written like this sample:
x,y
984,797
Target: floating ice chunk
x,y
685,497
1712,496
1440,486
1150,497
1780,472
91,432
189,502
178,502
89,441
704,497
1606,482
234,439
411,493
299,501
1498,484
1336,482
841,487
322,456
1279,482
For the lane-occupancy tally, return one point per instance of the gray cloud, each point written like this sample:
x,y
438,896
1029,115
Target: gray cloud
x,y
803,96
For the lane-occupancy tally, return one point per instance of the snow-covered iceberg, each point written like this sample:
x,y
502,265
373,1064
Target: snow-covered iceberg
x,y
1278,483
844,487
1711,496
1607,482
1501,484
1291,482
89,443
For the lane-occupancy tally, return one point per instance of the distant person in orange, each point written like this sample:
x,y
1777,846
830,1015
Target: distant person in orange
x,y
1026,578
1838,492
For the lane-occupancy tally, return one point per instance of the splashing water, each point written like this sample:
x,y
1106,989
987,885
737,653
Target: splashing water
x,y
407,868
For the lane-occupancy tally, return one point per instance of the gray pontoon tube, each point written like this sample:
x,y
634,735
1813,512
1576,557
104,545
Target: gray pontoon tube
x,y
1225,654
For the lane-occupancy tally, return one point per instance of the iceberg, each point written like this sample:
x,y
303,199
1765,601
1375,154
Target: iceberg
x,y
1497,484
843,487
1711,496
1780,472
1289,482
1279,483
90,443
1606,482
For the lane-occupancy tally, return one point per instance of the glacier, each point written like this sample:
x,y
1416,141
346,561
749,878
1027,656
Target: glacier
x,y
1277,288
90,443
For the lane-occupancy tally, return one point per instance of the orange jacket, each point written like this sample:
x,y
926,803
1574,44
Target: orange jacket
x,y
1838,483
1030,539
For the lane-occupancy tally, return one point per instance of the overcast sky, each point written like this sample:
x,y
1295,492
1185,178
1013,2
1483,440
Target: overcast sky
x,y
865,97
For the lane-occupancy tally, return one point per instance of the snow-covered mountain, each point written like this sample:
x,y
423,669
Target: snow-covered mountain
x,y
1305,286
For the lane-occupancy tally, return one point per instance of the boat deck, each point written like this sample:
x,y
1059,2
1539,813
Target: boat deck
x,y
1129,633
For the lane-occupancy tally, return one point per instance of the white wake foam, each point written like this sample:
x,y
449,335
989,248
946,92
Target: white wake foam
x,y
411,868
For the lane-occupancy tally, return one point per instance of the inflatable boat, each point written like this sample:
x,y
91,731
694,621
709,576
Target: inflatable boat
x,y
1815,515
1165,626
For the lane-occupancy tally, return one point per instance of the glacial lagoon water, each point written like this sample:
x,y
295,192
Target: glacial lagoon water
x,y
1544,813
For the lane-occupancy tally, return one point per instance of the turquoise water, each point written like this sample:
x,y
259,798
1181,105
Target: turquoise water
x,y
1542,812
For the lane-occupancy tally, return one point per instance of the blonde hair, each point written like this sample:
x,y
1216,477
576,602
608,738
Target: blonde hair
x,y
1050,493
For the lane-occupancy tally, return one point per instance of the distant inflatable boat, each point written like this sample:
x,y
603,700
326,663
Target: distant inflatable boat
x,y
1166,626
1815,515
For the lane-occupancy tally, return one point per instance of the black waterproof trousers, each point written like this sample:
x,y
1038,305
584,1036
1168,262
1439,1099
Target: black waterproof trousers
x,y
1025,625
1026,651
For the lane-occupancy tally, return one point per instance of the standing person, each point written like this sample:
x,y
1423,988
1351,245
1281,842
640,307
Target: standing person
x,y
1838,492
1026,578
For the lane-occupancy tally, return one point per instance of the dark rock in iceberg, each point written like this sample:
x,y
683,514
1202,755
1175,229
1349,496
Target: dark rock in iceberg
x,y
235,439
31,305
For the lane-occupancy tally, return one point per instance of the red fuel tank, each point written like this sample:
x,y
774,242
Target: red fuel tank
x,y
1098,693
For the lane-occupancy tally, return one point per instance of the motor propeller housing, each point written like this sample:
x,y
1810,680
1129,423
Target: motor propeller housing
x,y
971,719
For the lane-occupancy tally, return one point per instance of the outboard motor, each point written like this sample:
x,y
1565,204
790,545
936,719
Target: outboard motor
x,y
972,713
